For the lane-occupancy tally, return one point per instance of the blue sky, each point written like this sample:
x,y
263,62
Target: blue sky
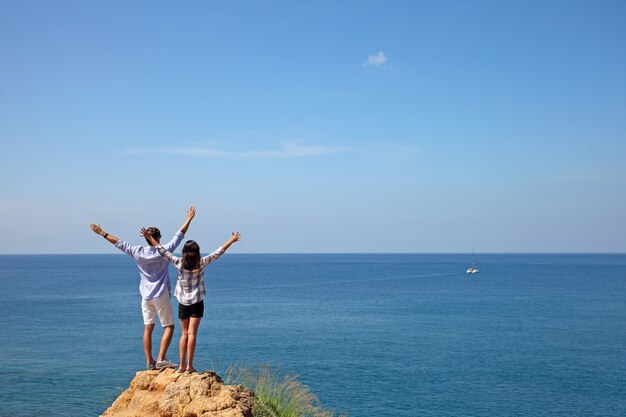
x,y
314,126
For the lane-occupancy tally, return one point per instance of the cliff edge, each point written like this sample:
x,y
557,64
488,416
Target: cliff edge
x,y
168,393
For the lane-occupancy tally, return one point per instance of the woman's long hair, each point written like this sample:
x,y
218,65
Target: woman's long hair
x,y
191,255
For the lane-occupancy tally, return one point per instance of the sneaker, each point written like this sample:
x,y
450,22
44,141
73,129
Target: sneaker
x,y
165,363
151,366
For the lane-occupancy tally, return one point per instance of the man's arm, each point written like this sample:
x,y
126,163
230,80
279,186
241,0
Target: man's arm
x,y
127,248
190,215
98,230
178,237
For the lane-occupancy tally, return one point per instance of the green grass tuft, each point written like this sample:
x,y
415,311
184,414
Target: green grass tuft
x,y
276,395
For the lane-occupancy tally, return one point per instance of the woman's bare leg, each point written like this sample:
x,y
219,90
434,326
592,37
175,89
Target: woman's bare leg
x,y
194,323
182,345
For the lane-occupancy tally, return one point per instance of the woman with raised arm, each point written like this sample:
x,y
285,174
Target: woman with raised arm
x,y
190,291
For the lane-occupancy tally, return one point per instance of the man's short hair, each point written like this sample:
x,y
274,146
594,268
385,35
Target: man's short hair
x,y
154,232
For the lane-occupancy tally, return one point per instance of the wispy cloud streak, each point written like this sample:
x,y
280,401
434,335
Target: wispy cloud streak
x,y
287,150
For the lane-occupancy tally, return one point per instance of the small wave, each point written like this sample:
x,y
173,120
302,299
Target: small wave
x,y
335,282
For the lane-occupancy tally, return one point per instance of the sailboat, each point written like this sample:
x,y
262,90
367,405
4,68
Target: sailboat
x,y
472,269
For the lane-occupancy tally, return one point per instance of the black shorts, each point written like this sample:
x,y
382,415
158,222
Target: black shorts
x,y
194,310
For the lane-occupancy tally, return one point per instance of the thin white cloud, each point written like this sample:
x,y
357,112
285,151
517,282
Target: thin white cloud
x,y
287,150
376,60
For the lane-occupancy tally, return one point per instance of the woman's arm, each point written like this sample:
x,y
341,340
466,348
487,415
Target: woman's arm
x,y
144,232
220,251
235,237
162,251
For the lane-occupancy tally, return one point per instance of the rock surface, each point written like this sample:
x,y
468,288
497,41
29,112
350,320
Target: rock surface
x,y
168,393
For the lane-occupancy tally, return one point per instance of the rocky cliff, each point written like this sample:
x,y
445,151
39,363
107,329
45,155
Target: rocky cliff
x,y
168,393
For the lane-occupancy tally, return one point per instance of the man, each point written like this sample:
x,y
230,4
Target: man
x,y
154,287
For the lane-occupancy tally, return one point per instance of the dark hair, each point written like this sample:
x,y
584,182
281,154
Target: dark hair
x,y
191,255
155,233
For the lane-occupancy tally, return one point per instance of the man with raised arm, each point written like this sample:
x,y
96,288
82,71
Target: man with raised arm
x,y
154,286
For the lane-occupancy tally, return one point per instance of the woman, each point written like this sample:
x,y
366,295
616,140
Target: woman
x,y
190,291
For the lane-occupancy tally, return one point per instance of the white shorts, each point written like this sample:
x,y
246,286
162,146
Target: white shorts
x,y
161,306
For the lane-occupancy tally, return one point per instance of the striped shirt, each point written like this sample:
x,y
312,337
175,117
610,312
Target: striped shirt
x,y
190,284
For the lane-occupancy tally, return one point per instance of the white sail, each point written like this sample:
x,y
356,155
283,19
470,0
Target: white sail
x,y
472,269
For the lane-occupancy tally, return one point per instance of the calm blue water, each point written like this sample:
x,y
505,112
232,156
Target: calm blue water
x,y
379,335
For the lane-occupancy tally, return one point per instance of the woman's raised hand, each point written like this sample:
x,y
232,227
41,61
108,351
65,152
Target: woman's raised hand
x,y
234,237
145,233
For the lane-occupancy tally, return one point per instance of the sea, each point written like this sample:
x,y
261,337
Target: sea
x,y
373,335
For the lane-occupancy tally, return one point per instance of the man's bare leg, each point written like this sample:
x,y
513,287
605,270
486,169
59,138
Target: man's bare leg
x,y
147,342
168,332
